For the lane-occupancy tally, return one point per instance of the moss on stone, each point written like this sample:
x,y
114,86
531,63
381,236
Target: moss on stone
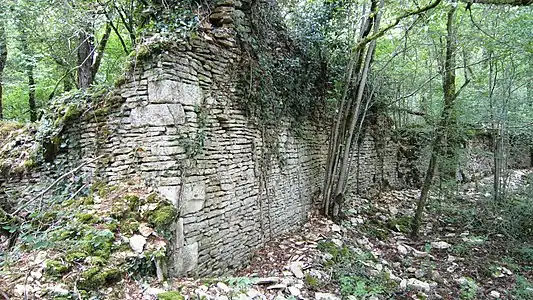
x,y
75,256
120,80
125,207
132,201
97,277
163,215
87,218
56,268
98,243
171,295
112,226
152,198
129,226
89,200
101,189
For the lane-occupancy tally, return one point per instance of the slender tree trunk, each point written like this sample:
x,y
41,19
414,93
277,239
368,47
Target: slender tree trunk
x,y
31,92
100,50
450,95
339,145
3,59
338,160
30,65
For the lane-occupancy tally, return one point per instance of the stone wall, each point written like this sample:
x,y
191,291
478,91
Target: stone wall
x,y
176,125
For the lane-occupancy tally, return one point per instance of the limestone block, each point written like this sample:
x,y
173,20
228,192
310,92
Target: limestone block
x,y
171,193
190,257
158,115
193,197
168,91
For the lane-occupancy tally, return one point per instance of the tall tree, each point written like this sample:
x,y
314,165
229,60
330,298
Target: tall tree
x,y
344,132
3,60
90,54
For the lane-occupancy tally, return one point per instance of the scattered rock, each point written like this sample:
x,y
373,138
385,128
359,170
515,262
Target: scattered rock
x,y
294,291
240,296
403,284
253,294
145,230
419,254
441,245
153,291
418,285
223,287
296,269
335,228
137,243
435,276
279,286
20,290
326,296
36,275
402,250
60,290
337,242
495,294
420,273
267,280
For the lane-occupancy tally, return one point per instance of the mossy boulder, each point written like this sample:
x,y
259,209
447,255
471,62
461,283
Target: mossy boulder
x,y
87,218
97,277
97,242
129,226
125,207
56,268
75,256
164,215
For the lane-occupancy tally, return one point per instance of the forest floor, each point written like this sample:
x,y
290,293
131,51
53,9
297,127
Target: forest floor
x,y
371,256
469,248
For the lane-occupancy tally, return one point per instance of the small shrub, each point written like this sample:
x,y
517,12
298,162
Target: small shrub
x,y
468,289
523,289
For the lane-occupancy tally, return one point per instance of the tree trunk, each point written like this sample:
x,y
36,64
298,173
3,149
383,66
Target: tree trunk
x,y
339,145
31,92
3,59
100,51
90,57
85,60
442,129
338,161
498,139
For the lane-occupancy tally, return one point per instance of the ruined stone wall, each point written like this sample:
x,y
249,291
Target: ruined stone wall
x,y
375,162
176,125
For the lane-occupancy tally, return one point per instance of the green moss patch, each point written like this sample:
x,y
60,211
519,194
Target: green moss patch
x,y
163,215
172,295
97,277
56,268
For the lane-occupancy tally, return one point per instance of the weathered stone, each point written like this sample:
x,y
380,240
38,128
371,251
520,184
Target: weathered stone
x,y
174,92
416,284
137,243
190,257
440,245
158,115
326,296
194,196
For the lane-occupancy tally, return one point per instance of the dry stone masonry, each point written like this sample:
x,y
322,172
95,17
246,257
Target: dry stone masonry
x,y
175,124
